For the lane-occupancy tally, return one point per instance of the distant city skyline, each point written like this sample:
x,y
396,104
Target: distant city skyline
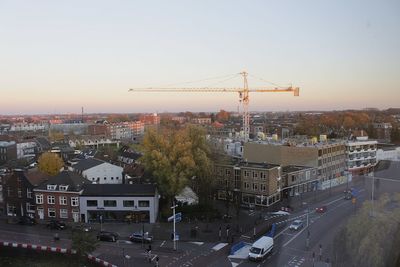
x,y
59,56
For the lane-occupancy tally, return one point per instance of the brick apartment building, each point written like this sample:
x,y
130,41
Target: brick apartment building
x,y
58,198
18,192
150,119
249,183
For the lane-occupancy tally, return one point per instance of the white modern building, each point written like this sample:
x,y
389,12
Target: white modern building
x,y
98,171
137,203
388,153
26,149
92,141
361,156
29,127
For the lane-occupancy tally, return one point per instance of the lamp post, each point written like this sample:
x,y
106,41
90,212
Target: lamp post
x,y
137,210
174,233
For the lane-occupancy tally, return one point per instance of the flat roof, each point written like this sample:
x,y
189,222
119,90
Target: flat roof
x,y
294,168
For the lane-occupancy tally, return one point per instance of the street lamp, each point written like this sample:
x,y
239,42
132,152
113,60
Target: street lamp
x,y
174,233
137,210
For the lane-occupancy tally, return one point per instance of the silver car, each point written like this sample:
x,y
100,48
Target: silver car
x,y
296,225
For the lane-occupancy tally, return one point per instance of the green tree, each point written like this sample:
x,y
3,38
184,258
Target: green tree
x,y
84,243
201,153
50,163
370,239
167,156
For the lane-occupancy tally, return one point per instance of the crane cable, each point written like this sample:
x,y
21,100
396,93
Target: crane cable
x,y
261,79
202,80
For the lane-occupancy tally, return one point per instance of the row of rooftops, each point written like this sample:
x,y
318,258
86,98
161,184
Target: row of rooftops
x,y
67,181
285,169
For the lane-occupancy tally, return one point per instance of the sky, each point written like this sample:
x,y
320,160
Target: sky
x,y
59,56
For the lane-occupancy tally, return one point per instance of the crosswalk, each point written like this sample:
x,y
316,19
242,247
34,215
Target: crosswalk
x,y
295,262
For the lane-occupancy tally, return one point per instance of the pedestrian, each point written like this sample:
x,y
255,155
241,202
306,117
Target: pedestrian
x,y
157,259
219,233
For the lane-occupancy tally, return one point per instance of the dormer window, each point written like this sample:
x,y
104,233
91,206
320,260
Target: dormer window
x,y
51,187
63,187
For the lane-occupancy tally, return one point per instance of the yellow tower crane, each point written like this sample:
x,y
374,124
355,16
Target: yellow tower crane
x,y
243,95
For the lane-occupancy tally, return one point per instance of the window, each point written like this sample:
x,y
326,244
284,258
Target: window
x,y
263,187
29,207
64,213
51,212
8,191
63,200
255,187
255,175
51,187
74,201
51,200
112,178
105,178
129,203
19,193
227,172
63,187
246,185
11,210
28,193
144,203
110,203
39,199
91,203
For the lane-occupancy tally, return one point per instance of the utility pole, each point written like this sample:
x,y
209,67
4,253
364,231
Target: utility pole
x,y
174,233
373,189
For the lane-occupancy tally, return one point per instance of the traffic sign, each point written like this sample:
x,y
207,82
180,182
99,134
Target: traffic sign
x,y
178,217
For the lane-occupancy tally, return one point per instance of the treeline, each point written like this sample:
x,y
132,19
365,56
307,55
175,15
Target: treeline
x,y
340,124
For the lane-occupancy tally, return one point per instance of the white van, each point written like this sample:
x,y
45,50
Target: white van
x,y
261,248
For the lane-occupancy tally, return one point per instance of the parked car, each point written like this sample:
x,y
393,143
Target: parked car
x,y
139,237
26,220
321,209
296,225
56,225
82,227
107,236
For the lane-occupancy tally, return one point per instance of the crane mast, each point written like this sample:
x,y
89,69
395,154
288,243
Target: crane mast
x,y
243,96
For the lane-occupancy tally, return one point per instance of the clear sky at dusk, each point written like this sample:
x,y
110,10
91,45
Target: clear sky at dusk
x,y
57,56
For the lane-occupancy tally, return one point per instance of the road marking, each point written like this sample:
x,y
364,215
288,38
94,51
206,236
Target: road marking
x,y
219,246
245,236
197,243
155,256
290,240
162,244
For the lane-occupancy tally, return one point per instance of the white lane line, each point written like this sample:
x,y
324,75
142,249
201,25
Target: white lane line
x,y
219,246
162,244
197,243
281,233
290,240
